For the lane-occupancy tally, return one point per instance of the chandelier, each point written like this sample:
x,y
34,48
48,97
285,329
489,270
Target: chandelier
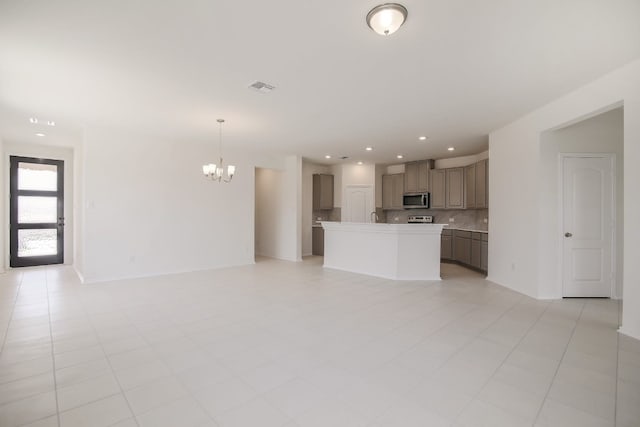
x,y
217,172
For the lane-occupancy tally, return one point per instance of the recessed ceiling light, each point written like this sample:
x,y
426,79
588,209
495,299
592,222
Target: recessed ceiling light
x,y
33,120
400,156
327,156
51,123
39,134
369,148
450,148
422,138
359,163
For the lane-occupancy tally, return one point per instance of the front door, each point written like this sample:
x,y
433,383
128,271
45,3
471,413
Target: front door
x,y
588,226
36,211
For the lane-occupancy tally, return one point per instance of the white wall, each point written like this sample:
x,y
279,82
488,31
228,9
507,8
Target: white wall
x,y
49,152
515,182
277,229
308,169
336,170
148,210
599,134
456,162
2,209
269,218
293,207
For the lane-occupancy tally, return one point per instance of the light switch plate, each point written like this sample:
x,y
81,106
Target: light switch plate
x,y
452,220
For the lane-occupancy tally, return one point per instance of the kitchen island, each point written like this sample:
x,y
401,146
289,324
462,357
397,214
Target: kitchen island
x,y
392,251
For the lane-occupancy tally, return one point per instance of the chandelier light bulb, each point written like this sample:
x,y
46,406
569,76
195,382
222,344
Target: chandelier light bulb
x,y
216,172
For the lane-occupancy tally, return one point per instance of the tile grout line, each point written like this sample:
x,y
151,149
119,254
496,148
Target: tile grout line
x,y
478,336
53,358
615,394
508,354
113,372
564,353
13,310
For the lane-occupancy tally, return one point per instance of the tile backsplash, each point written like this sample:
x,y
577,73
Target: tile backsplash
x,y
462,218
334,214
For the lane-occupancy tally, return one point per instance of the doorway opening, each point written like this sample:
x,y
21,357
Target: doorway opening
x,y
36,211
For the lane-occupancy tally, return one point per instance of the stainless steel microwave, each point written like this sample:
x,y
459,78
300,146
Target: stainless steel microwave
x,y
416,201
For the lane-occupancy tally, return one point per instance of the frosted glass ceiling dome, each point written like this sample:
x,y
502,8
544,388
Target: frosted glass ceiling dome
x,y
385,19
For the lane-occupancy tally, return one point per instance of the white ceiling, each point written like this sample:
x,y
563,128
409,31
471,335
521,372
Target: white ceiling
x,y
455,71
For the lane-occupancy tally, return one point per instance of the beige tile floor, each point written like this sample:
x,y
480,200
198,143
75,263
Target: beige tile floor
x,y
294,345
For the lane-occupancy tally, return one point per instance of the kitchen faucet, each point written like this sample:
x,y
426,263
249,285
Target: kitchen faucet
x,y
374,217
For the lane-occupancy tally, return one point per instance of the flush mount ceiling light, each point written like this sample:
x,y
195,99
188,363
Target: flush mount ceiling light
x,y
450,148
217,172
39,134
385,19
399,156
327,156
369,148
422,138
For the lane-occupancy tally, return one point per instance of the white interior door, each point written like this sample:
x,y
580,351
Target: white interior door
x,y
358,203
588,226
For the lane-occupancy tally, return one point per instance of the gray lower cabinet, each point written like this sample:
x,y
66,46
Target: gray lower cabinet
x,y
462,246
468,248
476,250
484,254
317,241
446,245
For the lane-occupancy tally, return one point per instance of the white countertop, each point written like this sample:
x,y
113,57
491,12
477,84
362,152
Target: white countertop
x,y
450,227
444,226
381,227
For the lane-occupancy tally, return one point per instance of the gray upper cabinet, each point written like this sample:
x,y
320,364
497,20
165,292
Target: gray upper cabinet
x,y
470,186
460,188
416,176
454,188
438,186
392,191
322,192
482,181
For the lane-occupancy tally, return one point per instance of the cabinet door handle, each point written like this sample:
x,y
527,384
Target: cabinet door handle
x,y
568,234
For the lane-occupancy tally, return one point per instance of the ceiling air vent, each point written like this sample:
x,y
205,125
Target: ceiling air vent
x,y
261,87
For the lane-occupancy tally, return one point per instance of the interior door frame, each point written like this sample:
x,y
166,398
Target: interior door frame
x,y
58,258
614,225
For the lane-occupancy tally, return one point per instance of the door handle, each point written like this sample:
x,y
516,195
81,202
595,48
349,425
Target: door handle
x,y
568,234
